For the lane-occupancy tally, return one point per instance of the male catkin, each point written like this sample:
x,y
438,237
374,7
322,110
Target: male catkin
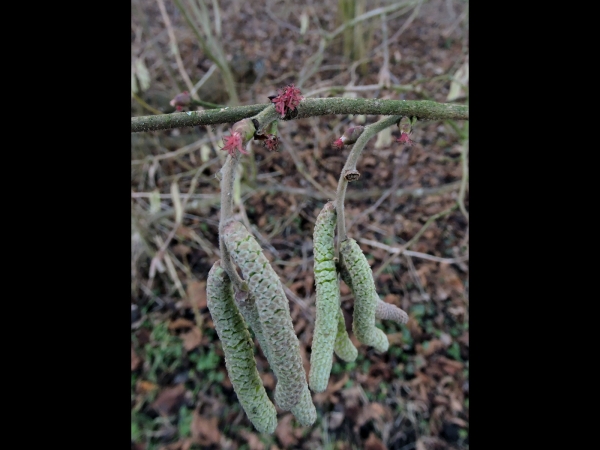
x,y
305,410
238,350
365,296
343,346
384,310
328,299
273,311
388,311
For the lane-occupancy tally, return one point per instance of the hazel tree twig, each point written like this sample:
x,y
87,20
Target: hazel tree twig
x,y
309,107
350,166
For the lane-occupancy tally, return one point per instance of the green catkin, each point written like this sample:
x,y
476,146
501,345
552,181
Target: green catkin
x,y
283,351
388,311
365,297
384,310
328,299
305,410
250,314
238,350
343,347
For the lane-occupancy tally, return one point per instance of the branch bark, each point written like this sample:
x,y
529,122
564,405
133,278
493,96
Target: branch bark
x,y
309,107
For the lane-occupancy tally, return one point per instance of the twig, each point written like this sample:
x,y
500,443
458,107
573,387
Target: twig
x,y
309,107
228,174
182,72
357,148
205,77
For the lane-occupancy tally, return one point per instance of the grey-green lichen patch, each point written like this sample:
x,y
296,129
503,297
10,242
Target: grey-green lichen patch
x,y
343,346
238,350
365,296
283,347
328,299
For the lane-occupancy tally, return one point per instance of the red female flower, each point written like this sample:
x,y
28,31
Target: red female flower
x,y
338,143
288,99
271,142
404,139
233,143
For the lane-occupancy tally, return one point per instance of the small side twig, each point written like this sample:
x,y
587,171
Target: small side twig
x,y
228,174
357,148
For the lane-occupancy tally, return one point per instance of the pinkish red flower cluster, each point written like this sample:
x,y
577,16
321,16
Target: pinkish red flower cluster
x,y
288,99
338,144
271,142
404,139
233,143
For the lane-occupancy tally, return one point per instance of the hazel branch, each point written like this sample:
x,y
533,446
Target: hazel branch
x,y
309,107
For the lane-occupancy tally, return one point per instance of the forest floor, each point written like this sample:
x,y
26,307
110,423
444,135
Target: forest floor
x,y
414,396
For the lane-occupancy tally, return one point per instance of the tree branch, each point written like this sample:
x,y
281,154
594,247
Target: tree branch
x,y
309,107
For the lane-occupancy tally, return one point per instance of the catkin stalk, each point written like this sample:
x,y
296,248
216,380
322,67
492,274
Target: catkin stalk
x,y
273,311
328,299
238,350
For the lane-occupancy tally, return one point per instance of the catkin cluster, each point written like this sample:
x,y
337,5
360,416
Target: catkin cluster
x,y
266,310
330,333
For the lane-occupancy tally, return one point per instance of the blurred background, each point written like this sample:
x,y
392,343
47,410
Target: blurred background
x,y
415,396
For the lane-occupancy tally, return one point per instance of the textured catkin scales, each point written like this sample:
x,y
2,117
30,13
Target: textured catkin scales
x,y
283,347
238,350
343,346
328,299
365,296
305,410
387,311
384,310
250,313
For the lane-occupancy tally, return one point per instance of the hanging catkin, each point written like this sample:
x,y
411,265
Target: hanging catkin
x,y
273,311
238,350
